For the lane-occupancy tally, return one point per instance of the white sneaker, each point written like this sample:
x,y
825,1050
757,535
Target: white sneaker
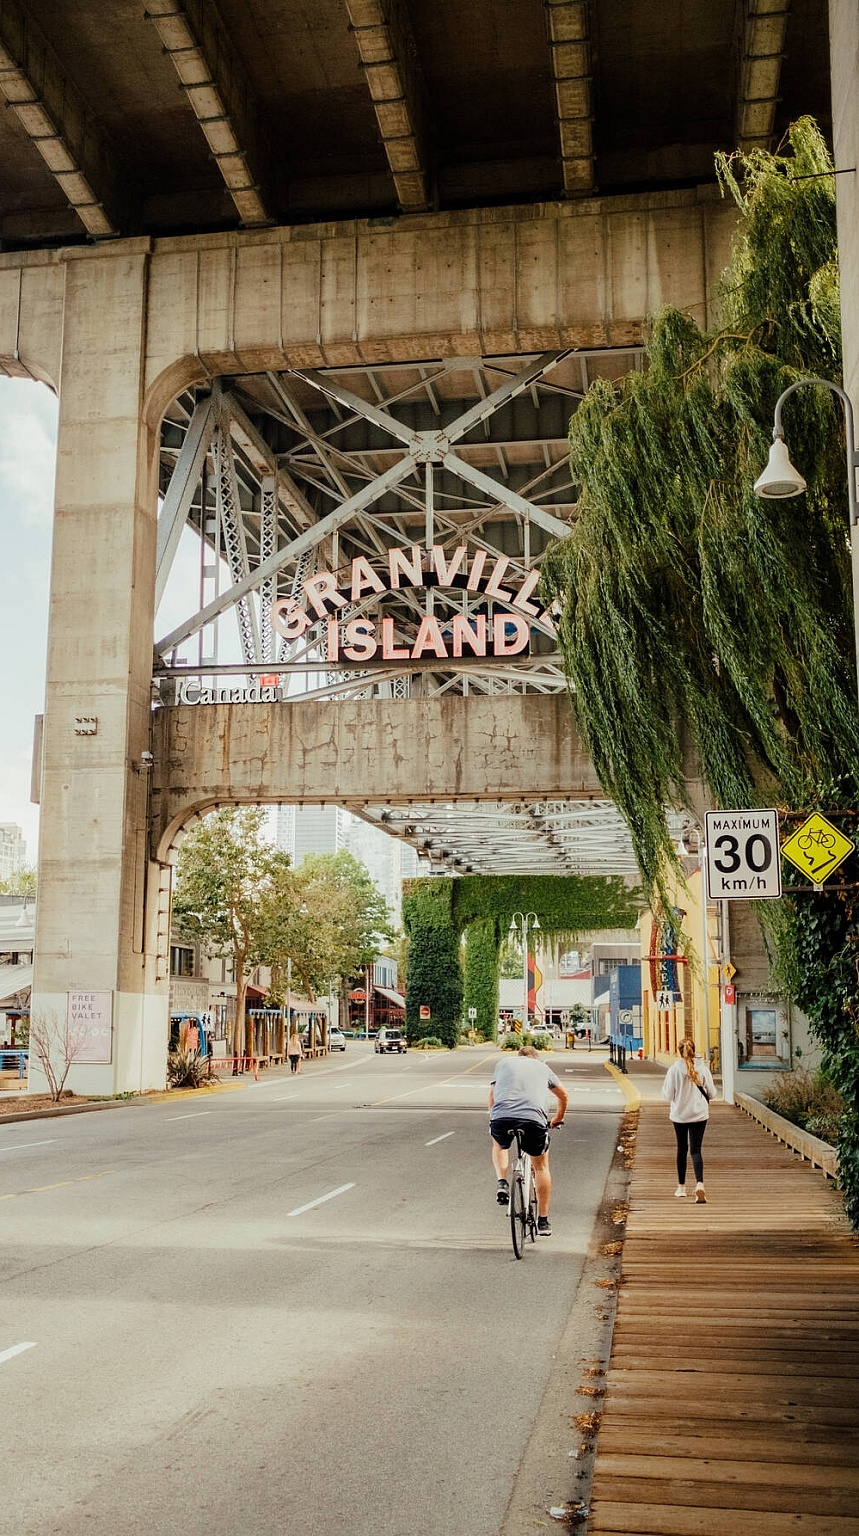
x,y
700,1196
680,1192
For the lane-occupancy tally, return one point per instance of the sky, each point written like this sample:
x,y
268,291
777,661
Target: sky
x,y
28,432
28,426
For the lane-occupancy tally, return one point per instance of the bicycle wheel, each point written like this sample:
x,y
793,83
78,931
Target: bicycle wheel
x,y
518,1214
532,1213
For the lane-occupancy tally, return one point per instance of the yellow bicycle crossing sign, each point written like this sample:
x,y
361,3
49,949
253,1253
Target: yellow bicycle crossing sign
x,y
817,848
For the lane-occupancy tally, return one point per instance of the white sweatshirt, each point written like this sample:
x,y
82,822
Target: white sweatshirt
x,y
686,1099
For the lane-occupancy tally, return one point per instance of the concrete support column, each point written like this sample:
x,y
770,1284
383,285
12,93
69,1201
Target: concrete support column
x,y
844,53
96,930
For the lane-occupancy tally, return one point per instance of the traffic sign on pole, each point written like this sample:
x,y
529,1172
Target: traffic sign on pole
x,y
817,848
743,860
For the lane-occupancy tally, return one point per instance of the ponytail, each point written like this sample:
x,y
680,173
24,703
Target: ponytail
x,y
687,1054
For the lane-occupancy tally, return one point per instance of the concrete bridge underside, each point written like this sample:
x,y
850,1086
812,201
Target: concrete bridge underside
x,y
364,751
119,329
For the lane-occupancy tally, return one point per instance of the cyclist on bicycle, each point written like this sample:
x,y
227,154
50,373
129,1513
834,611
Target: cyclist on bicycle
x,y
518,1095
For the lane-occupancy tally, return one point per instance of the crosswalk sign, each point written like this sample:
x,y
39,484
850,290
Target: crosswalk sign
x,y
817,848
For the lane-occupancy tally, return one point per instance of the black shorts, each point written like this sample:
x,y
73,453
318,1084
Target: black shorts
x,y
535,1137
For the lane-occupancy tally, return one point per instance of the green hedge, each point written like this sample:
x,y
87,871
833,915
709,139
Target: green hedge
x,y
482,942
434,975
438,913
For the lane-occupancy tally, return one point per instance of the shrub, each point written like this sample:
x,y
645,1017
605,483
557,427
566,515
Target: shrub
x,y
185,1069
513,1042
809,1100
428,1043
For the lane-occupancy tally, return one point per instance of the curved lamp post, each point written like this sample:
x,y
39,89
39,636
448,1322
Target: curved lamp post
x,y
521,921
781,479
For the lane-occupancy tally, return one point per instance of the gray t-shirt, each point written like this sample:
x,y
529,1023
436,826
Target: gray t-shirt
x,y
521,1090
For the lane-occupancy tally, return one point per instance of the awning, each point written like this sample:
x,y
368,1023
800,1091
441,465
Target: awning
x,y
13,980
392,997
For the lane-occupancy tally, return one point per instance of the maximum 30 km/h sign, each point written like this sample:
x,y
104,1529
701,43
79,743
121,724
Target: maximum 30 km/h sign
x,y
743,861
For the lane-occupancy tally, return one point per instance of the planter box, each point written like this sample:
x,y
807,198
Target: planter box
x,y
819,1153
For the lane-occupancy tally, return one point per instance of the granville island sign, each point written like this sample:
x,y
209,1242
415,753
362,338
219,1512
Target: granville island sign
x,y
506,633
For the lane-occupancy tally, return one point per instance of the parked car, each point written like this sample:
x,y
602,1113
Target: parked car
x,y
336,1040
391,1040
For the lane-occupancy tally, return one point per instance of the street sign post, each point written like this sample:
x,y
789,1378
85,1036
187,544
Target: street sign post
x,y
743,862
472,1013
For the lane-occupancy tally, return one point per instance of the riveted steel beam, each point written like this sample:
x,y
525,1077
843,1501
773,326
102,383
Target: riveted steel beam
x,y
58,122
572,70
389,58
762,51
220,96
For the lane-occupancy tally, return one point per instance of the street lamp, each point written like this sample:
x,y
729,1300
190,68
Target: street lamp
x,y
522,921
781,479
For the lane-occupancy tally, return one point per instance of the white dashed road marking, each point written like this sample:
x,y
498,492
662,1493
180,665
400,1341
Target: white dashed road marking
x,y
17,1349
299,1210
20,1145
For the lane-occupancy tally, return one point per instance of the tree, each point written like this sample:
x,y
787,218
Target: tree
x,y
229,881
56,1044
22,883
334,926
689,606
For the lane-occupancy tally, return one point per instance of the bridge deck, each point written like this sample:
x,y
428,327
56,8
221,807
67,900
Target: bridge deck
x,y
733,1391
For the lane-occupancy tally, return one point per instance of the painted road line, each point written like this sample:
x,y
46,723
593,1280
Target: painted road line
x,y
17,1349
439,1138
376,1103
20,1145
40,1188
311,1204
197,1115
284,1096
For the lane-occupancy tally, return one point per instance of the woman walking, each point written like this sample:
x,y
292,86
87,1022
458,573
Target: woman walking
x,y
294,1050
689,1087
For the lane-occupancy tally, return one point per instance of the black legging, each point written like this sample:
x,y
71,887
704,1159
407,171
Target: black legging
x,y
689,1138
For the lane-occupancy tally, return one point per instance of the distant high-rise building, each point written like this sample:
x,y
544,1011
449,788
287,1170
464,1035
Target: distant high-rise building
x,y
13,849
303,829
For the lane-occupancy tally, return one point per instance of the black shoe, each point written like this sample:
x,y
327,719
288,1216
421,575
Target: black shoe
x,y
544,1226
502,1193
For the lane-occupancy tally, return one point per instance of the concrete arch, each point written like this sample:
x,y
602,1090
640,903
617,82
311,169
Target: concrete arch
x,y
355,751
119,329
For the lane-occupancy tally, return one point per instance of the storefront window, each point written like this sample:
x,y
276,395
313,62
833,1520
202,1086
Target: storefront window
x,y
761,1032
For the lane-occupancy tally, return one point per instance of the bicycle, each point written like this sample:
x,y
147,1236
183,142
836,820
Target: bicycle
x,y
523,1195
523,1198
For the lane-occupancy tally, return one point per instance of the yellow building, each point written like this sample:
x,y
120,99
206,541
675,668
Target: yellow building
x,y
674,1001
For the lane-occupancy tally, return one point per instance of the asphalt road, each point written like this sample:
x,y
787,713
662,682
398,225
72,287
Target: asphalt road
x,y
287,1307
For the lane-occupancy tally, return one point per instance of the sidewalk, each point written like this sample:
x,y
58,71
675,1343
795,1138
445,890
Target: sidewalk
x,y
732,1400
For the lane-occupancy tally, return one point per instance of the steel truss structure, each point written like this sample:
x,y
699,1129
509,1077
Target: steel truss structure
x,y
284,475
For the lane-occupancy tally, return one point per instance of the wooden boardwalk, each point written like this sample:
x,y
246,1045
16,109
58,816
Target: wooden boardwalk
x,y
732,1400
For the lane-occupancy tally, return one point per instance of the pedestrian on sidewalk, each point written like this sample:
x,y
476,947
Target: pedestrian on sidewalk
x,y
689,1087
294,1050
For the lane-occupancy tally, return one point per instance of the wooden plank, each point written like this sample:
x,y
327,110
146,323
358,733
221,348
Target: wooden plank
x,y
695,1494
744,1420
677,1520
701,1469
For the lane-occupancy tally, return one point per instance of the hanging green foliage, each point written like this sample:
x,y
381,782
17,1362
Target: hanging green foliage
x,y
566,905
434,975
482,943
437,913
692,610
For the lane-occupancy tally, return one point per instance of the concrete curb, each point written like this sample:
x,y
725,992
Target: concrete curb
x,y
143,1098
630,1092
